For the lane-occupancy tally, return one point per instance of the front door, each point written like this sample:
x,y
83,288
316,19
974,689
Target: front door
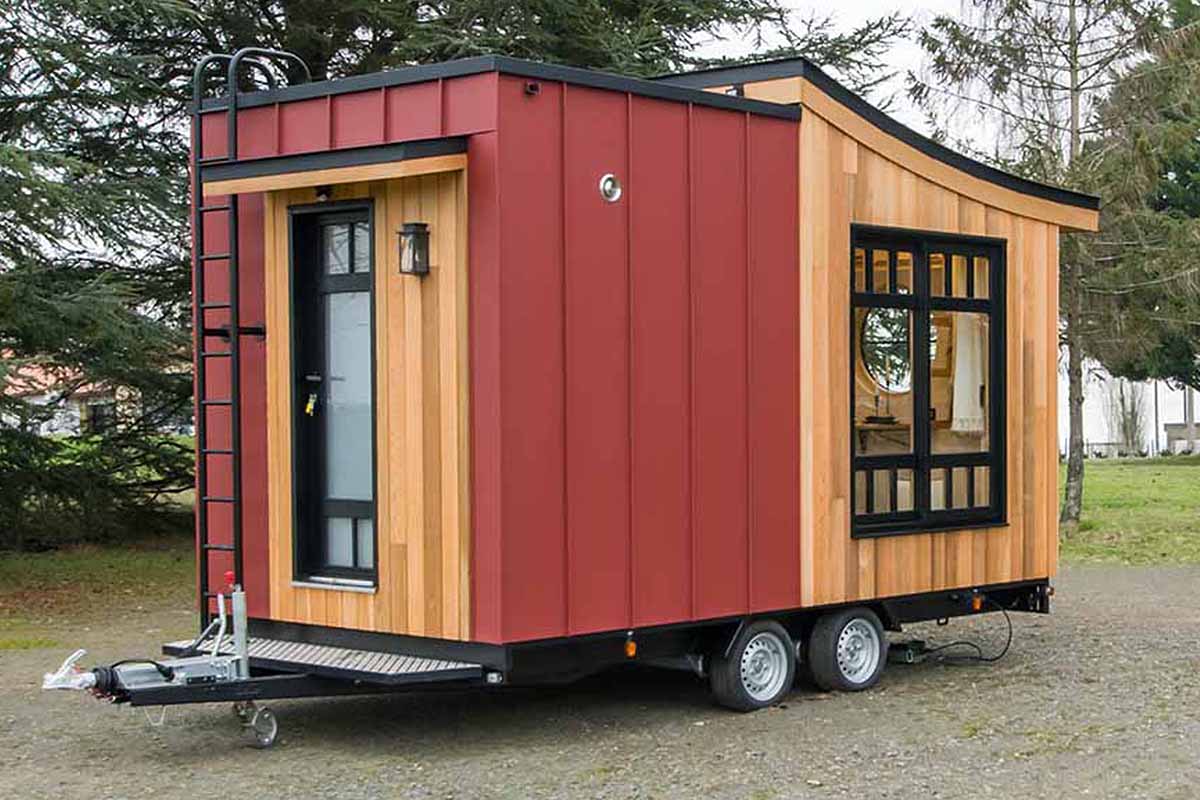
x,y
334,384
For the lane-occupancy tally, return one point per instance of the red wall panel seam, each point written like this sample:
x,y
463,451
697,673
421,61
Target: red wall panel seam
x,y
749,355
383,114
441,94
631,567
691,356
566,438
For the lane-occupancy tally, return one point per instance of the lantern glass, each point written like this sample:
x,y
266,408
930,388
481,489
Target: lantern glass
x,y
414,248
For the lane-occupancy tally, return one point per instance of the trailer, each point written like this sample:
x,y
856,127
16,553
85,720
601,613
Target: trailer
x,y
507,372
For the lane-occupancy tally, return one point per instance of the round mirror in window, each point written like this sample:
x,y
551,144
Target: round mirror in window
x,y
884,346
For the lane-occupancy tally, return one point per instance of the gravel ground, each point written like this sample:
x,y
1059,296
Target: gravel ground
x,y
1100,699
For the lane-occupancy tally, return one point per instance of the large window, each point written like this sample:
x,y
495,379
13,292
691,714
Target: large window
x,y
927,381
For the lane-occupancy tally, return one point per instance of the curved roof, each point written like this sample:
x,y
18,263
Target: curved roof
x,y
803,68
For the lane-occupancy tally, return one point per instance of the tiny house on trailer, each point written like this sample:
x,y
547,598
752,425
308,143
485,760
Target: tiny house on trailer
x,y
507,372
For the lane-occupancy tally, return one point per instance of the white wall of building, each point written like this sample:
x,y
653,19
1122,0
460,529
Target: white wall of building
x,y
1096,426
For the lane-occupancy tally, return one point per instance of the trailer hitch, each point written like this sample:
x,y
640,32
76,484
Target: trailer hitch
x,y
189,677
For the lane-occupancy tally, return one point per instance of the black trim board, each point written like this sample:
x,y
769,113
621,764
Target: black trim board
x,y
803,68
333,159
509,66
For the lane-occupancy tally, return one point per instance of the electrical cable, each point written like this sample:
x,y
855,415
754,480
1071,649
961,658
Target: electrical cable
x,y
978,656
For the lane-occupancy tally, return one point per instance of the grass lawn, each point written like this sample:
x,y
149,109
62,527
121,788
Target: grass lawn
x,y
1138,511
40,590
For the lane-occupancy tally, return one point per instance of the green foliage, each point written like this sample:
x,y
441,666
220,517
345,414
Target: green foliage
x,y
94,260
1144,291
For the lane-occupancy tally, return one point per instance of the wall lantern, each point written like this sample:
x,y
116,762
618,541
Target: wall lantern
x,y
414,248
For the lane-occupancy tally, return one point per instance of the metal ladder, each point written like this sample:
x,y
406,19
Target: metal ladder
x,y
232,332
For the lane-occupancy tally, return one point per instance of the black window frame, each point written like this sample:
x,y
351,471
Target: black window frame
x,y
308,283
921,303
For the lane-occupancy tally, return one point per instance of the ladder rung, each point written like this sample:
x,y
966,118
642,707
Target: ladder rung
x,y
208,306
215,354
215,451
217,499
211,209
224,548
216,402
215,257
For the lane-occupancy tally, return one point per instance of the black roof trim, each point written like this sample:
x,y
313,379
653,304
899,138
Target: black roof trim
x,y
803,68
508,66
332,159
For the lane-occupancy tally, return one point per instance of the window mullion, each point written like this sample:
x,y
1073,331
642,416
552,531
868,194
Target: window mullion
x,y
921,386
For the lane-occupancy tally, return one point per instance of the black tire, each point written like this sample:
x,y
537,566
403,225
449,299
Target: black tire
x,y
771,646
851,671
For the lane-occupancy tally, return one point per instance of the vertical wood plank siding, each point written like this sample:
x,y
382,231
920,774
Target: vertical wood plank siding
x,y
422,419
843,181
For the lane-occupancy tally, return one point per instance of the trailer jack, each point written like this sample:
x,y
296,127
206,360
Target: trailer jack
x,y
193,676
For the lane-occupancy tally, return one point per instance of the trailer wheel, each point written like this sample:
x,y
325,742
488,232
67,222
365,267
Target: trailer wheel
x,y
847,650
758,670
263,727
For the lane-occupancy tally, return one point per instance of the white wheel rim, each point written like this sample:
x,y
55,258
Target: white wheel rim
x,y
764,666
858,650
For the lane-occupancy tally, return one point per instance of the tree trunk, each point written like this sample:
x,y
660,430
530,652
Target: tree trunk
x,y
1189,417
1073,494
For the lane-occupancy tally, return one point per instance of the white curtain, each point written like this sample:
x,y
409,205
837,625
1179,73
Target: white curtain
x,y
970,373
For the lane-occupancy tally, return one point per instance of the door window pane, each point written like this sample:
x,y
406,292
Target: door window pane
x,y
958,377
883,381
339,542
348,393
335,249
362,247
366,544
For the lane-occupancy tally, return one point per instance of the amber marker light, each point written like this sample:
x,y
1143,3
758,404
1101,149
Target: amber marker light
x,y
630,648
977,602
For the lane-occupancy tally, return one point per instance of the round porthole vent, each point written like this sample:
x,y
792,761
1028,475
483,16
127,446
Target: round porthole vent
x,y
610,188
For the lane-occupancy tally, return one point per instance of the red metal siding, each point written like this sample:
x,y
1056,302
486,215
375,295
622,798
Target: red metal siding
x,y
643,358
483,247
774,368
660,398
719,458
596,302
452,107
533,578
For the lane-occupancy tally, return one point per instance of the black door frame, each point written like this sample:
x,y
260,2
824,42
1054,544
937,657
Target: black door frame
x,y
307,285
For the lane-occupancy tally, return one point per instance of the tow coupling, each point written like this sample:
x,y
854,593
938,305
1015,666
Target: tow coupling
x,y
204,666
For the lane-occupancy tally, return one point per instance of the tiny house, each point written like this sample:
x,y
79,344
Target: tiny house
x,y
534,370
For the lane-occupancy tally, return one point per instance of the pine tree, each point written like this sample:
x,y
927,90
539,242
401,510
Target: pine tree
x,y
94,271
